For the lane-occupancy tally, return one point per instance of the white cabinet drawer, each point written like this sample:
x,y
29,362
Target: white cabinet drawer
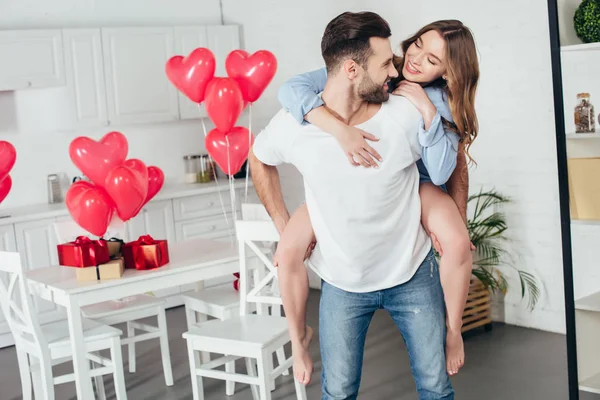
x,y
32,59
202,205
207,228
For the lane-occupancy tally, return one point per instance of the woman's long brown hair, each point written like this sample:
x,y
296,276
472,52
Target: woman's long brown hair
x,y
462,75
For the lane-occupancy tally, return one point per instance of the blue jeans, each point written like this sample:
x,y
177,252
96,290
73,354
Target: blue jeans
x,y
417,307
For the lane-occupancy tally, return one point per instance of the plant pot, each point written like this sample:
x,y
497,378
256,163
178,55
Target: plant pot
x,y
478,310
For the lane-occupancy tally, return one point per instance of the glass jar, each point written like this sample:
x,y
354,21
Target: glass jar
x,y
191,168
205,169
584,115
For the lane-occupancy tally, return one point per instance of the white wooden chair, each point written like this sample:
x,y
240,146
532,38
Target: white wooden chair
x,y
127,310
248,336
39,347
223,302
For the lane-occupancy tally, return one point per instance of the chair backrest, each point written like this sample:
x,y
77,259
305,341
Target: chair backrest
x,y
68,230
254,212
17,306
248,233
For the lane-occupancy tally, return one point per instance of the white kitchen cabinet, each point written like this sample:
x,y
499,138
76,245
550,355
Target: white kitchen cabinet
x,y
217,228
31,59
85,77
36,242
187,39
217,203
156,220
7,238
210,227
222,39
137,87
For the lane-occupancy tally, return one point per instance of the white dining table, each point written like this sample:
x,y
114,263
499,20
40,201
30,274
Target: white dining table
x,y
194,260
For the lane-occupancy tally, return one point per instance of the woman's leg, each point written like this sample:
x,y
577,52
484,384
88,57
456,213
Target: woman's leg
x,y
441,218
297,236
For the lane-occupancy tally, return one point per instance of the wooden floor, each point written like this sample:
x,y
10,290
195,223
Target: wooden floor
x,y
508,363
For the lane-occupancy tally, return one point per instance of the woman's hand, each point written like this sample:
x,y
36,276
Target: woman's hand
x,y
416,95
356,148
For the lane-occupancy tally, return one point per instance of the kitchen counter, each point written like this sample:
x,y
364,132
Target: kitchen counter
x,y
169,191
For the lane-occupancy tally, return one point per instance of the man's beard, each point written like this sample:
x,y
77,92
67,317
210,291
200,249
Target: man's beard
x,y
371,92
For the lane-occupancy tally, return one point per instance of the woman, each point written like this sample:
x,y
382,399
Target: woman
x,y
439,65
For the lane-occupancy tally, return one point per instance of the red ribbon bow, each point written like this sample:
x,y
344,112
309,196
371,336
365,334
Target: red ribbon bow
x,y
83,240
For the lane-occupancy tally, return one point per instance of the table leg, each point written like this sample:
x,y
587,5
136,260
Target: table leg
x,y
81,366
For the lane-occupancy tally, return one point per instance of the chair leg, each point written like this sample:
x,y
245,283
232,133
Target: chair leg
x,y
229,367
230,385
191,319
300,390
25,374
117,363
281,359
264,371
131,348
205,355
164,347
47,381
98,382
197,386
36,378
269,363
252,372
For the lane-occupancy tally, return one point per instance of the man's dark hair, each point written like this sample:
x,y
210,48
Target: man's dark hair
x,y
347,36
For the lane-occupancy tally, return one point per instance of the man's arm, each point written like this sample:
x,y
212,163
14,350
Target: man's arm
x,y
267,186
458,184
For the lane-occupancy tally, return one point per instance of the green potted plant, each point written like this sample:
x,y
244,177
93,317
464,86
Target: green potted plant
x,y
487,227
587,21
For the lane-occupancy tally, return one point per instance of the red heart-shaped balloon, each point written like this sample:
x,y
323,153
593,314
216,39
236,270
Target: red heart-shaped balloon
x,y
191,74
156,179
5,185
8,156
224,103
127,186
252,72
229,148
95,159
90,207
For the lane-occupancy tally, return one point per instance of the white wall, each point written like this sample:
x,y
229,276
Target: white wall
x,y
566,11
516,148
515,151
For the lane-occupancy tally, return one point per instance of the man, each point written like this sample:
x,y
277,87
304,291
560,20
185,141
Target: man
x,y
372,252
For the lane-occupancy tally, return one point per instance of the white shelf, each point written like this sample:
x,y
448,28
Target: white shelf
x,y
585,222
576,136
589,303
591,385
581,47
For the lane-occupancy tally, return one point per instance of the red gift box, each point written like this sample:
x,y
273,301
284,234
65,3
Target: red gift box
x,y
145,253
83,252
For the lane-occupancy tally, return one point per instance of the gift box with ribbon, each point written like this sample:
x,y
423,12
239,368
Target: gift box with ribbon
x,y
114,247
83,252
145,253
111,270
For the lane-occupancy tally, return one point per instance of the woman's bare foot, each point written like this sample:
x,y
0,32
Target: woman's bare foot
x,y
455,352
303,364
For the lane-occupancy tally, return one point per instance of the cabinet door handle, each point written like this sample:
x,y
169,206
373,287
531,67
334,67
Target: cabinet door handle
x,y
212,228
211,203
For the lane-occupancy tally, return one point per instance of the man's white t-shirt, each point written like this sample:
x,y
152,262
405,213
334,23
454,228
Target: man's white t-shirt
x,y
367,221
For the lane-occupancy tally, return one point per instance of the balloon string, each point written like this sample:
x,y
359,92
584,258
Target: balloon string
x,y
214,171
231,181
248,156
